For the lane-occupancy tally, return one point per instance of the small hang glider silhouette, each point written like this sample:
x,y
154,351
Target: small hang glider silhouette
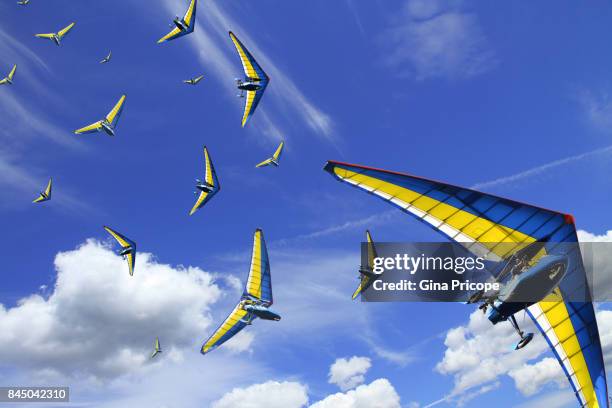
x,y
194,81
23,2
9,78
128,248
108,124
183,26
107,58
207,188
157,348
254,83
44,195
57,37
255,301
275,157
366,272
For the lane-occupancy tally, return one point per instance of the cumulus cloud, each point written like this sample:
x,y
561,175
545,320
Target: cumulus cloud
x,y
437,38
529,378
349,373
378,394
271,394
100,322
478,353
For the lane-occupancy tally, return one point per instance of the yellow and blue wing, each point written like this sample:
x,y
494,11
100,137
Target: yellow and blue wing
x,y
189,18
279,151
94,127
49,188
259,281
264,163
61,33
48,35
366,280
210,176
125,243
228,329
115,113
190,15
482,221
254,72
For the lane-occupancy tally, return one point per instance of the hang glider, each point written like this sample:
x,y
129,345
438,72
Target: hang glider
x,y
44,195
366,273
255,80
480,222
108,124
23,2
128,248
255,300
157,348
194,81
275,157
107,58
207,188
57,37
9,78
182,26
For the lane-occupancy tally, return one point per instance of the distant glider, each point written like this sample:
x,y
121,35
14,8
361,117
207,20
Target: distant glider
x,y
207,188
366,273
275,157
255,82
128,248
107,58
9,78
44,195
157,348
23,2
57,37
482,222
194,81
183,25
108,124
255,300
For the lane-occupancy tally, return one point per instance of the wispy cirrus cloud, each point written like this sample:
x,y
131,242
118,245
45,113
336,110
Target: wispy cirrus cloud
x,y
437,39
597,108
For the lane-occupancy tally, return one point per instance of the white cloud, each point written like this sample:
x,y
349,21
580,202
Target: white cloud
x,y
431,39
480,352
530,378
597,108
271,394
100,322
349,373
378,394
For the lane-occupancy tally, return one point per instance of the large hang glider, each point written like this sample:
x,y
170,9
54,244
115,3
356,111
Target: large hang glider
x,y
254,83
9,78
57,37
480,222
128,248
275,157
255,300
108,124
207,188
44,195
183,26
366,274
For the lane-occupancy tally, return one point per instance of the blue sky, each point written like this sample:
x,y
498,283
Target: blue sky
x,y
511,99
